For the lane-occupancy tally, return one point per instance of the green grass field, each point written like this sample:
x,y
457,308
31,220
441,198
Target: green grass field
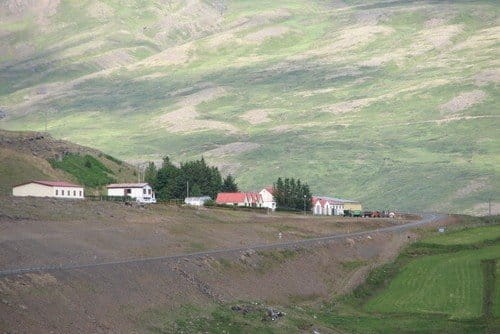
x,y
451,283
467,236
448,284
358,98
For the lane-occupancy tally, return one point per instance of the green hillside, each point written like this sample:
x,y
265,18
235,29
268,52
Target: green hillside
x,y
394,103
26,156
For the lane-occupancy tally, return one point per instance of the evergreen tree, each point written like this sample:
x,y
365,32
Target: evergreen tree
x,y
171,182
292,194
150,174
166,180
229,185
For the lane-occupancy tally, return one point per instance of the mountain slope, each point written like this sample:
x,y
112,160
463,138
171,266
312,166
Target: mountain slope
x,y
395,103
26,156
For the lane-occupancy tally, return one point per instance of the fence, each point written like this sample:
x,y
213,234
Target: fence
x,y
108,198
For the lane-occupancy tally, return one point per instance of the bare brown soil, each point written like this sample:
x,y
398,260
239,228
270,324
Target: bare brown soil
x,y
120,297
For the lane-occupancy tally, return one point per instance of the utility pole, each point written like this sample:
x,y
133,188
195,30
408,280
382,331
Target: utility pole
x,y
305,205
187,189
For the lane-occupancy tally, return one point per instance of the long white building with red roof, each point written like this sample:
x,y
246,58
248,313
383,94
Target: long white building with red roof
x,y
55,189
262,199
249,199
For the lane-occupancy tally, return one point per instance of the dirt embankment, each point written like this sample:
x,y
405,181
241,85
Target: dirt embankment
x,y
40,144
121,298
125,297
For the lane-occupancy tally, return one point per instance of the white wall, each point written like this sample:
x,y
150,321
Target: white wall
x,y
135,192
116,191
68,192
40,190
267,199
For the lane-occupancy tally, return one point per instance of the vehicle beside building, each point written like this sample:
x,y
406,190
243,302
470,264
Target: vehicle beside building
x,y
140,192
53,189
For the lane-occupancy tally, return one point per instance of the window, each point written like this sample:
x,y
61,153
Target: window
x,y
62,192
144,191
57,192
149,191
128,191
80,193
74,192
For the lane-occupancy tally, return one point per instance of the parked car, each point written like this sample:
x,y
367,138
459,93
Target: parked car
x,y
146,200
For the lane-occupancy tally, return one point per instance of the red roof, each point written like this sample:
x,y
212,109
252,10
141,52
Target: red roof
x,y
230,198
53,184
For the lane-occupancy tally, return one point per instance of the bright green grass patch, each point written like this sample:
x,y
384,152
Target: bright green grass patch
x,y
496,300
448,283
467,236
88,170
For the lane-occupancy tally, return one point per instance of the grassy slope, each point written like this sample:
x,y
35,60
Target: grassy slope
x,y
22,160
382,56
16,168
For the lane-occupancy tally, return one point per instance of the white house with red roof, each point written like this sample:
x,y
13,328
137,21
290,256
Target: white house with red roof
x,y
240,199
141,192
268,198
55,189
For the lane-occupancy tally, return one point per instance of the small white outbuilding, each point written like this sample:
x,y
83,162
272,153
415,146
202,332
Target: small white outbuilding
x,y
141,192
197,201
55,189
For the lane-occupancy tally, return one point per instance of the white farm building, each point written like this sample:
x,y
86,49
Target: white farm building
x,y
197,201
141,192
268,198
55,189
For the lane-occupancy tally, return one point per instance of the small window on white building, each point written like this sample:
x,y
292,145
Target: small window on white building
x,y
74,192
62,192
80,193
144,191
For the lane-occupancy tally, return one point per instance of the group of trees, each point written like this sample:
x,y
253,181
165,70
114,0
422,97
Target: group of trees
x,y
193,178
292,194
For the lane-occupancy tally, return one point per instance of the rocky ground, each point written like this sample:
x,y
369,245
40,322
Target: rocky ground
x,y
122,297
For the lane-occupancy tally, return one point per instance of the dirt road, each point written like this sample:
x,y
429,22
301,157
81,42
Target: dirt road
x,y
426,219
